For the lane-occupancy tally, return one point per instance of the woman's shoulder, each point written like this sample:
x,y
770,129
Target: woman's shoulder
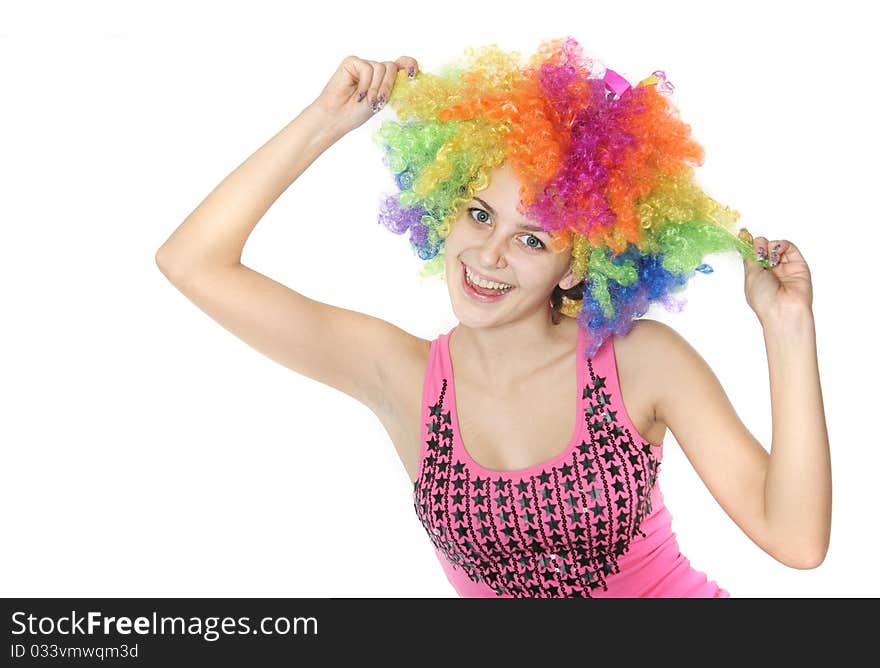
x,y
649,336
653,354
643,355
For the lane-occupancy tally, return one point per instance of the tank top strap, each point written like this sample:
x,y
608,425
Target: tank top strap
x,y
435,411
605,399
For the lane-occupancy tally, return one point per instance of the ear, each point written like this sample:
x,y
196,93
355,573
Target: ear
x,y
569,280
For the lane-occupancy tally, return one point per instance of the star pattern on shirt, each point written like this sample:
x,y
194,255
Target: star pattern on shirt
x,y
556,532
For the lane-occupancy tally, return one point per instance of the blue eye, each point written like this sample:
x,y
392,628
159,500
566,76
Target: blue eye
x,y
540,245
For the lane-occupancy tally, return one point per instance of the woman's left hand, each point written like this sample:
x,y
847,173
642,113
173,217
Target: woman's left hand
x,y
784,289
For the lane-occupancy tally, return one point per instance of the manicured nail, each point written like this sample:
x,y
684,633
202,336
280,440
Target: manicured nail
x,y
774,260
373,105
362,96
412,72
382,99
775,246
762,254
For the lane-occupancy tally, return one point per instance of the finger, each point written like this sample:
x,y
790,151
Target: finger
x,y
387,85
789,252
364,75
760,244
408,64
375,84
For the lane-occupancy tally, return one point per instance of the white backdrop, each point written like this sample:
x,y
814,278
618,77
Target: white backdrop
x,y
146,451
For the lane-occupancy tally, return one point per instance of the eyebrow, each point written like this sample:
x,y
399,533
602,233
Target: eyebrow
x,y
489,208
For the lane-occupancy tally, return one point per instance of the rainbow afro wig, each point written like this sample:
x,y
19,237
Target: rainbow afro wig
x,y
606,169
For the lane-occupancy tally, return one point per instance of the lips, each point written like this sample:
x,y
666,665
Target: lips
x,y
471,292
486,278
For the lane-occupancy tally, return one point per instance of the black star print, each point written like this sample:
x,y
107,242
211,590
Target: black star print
x,y
523,501
565,469
545,477
479,482
458,467
499,484
522,486
600,382
598,509
457,483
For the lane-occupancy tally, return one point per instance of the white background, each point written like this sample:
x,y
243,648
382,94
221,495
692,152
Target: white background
x,y
146,451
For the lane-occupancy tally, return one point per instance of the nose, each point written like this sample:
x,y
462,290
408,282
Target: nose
x,y
492,251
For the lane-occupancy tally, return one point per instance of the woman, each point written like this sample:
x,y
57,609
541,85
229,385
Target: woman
x,y
500,168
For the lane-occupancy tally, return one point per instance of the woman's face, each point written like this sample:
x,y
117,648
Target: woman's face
x,y
488,238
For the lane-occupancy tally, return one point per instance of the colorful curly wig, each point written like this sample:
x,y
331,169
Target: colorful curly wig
x,y
606,169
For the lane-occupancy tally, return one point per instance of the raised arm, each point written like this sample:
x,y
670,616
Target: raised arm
x,y
345,349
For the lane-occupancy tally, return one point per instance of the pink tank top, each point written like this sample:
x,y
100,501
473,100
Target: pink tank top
x,y
590,522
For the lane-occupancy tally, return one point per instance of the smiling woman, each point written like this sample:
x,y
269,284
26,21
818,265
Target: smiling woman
x,y
584,185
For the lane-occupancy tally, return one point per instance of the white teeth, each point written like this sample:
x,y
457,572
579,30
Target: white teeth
x,y
476,280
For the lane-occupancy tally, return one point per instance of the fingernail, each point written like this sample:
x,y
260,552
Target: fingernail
x,y
362,96
775,246
373,106
382,99
762,254
774,260
412,72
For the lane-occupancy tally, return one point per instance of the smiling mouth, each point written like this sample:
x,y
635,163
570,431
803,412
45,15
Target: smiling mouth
x,y
482,293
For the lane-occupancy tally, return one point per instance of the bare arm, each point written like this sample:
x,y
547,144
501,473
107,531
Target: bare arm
x,y
214,234
350,351
797,495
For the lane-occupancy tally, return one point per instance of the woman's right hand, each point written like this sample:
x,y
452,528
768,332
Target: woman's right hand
x,y
359,88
